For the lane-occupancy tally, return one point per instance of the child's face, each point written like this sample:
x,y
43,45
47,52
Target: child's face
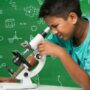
x,y
62,28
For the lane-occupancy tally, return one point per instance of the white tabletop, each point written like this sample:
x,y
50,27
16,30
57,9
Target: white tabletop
x,y
3,86
46,87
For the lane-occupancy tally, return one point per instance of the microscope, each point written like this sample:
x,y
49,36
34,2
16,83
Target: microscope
x,y
25,75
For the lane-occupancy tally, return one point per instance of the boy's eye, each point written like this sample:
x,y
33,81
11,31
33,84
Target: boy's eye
x,y
54,26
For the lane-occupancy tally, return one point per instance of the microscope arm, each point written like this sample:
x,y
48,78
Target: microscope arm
x,y
35,71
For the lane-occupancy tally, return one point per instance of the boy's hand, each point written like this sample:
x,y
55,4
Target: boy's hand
x,y
48,48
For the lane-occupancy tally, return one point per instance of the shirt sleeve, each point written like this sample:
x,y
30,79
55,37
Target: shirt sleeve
x,y
56,40
87,62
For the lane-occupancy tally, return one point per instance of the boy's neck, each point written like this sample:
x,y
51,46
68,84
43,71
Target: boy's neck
x,y
80,31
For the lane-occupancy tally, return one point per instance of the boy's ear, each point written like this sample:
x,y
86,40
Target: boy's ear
x,y
73,18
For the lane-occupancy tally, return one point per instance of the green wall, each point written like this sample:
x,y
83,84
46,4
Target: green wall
x,y
19,22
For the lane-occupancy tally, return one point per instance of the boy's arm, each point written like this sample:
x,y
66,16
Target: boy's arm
x,y
75,71
3,79
78,74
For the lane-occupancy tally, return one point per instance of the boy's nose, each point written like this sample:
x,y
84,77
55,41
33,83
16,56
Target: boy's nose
x,y
54,31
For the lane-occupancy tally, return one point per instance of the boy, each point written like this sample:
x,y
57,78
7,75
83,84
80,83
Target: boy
x,y
71,31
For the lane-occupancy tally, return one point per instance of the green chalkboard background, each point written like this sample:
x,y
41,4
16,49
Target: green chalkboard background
x,y
19,22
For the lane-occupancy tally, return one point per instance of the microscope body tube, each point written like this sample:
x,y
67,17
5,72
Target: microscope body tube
x,y
40,37
36,40
34,43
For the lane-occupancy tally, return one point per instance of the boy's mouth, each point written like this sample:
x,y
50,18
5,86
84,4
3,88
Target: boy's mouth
x,y
61,36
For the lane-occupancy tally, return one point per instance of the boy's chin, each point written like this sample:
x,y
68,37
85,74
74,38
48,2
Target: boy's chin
x,y
66,38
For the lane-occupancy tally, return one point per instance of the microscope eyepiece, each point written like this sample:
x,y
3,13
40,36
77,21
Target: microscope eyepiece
x,y
44,34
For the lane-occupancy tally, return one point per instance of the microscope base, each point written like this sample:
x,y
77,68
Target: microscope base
x,y
16,86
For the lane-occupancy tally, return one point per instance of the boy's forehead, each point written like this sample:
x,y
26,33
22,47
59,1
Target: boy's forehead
x,y
53,19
